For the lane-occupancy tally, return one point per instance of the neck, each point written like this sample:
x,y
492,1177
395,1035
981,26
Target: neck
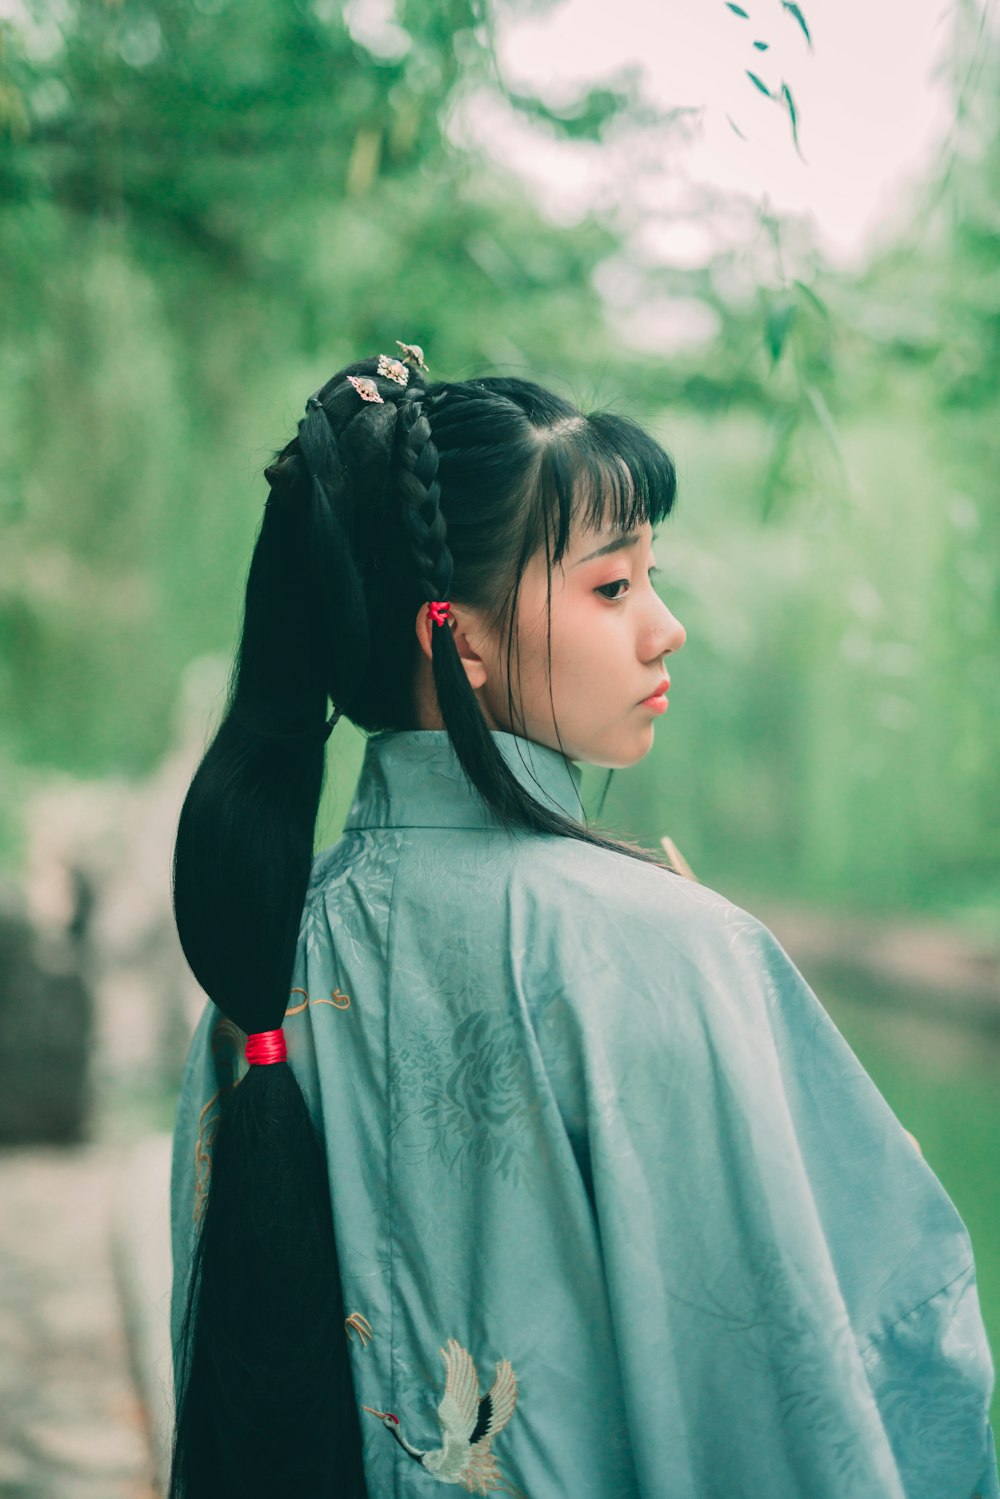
x,y
425,700
414,1452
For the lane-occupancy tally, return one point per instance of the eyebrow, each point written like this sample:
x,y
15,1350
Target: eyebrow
x,y
623,540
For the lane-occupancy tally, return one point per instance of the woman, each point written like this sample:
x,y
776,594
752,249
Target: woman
x,y
544,1172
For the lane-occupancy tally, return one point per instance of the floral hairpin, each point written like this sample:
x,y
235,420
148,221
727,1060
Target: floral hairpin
x,y
389,369
366,388
413,354
392,369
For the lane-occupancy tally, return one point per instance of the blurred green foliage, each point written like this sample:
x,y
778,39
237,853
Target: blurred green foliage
x,y
205,208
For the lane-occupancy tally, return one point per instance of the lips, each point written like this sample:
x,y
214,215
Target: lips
x,y
658,691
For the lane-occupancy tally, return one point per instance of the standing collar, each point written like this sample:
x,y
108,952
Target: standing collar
x,y
413,778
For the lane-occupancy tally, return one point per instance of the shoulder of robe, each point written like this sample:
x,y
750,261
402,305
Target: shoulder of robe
x,y
576,881
630,964
596,919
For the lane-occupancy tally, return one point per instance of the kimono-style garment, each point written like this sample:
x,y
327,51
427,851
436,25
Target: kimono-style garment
x,y
620,1215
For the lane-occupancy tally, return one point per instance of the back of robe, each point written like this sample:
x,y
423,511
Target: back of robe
x,y
597,1153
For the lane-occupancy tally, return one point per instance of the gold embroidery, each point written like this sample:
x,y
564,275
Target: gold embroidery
x,y
227,1046
362,1326
202,1156
297,1009
338,1000
468,1421
335,998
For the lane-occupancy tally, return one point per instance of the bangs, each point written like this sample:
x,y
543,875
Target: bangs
x,y
603,472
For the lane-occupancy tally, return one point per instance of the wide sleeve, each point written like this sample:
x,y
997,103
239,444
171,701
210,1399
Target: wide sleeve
x,y
792,1291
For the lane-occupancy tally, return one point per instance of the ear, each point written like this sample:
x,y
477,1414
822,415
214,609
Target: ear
x,y
463,625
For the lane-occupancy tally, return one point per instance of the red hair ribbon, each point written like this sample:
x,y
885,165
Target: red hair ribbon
x,y
266,1046
439,611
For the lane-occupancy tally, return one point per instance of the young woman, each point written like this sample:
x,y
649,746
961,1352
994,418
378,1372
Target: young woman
x,y
507,1158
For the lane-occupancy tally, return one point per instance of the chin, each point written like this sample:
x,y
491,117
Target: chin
x,y
619,759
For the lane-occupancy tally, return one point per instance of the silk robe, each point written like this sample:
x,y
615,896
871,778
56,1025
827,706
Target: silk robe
x,y
596,1148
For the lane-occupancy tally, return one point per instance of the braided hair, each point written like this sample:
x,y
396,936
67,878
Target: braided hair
x,y
418,492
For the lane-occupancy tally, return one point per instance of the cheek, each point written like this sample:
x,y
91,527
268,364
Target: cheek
x,y
582,636
586,646
536,625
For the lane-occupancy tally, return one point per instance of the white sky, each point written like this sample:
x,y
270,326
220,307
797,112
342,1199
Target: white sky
x,y
872,113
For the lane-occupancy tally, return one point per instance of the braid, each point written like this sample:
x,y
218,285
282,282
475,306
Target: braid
x,y
333,591
420,491
320,455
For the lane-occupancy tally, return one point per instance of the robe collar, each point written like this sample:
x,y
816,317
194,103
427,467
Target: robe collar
x,y
412,778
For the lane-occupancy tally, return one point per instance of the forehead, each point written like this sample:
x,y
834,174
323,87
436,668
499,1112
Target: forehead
x,y
593,492
589,543
607,499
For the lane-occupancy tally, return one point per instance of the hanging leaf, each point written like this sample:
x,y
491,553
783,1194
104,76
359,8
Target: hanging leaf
x,y
825,418
739,132
813,297
762,46
793,10
737,10
780,316
774,484
759,83
792,115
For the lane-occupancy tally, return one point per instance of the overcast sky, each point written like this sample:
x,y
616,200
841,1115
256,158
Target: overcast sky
x,y
873,99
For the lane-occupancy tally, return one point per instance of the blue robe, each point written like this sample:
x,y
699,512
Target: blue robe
x,y
596,1150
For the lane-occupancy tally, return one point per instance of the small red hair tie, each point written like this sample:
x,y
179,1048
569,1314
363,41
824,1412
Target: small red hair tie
x,y
439,611
266,1046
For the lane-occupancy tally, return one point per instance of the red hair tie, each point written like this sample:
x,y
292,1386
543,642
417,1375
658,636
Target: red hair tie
x,y
266,1046
439,611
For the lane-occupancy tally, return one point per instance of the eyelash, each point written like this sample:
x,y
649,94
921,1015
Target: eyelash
x,y
653,571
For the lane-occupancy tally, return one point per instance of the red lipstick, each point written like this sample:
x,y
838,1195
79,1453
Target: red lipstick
x,y
657,701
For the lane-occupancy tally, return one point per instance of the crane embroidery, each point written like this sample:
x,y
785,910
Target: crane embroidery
x,y
469,1422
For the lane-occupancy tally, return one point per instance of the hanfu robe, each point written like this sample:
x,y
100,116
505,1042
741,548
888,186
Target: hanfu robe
x,y
597,1152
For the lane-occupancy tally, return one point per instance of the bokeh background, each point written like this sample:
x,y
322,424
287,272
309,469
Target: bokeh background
x,y
768,232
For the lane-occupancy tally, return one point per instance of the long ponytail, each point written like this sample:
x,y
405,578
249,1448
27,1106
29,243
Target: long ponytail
x,y
265,1402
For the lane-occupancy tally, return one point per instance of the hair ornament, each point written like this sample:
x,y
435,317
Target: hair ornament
x,y
392,369
264,1047
366,388
439,611
413,355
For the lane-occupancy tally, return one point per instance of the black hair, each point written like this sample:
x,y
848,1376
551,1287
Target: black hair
x,y
438,491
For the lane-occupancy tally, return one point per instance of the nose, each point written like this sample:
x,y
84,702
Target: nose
x,y
674,634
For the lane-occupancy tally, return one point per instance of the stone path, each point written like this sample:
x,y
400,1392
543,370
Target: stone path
x,y
71,1423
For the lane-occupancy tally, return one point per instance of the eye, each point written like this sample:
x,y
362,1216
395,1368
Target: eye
x,y
615,598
